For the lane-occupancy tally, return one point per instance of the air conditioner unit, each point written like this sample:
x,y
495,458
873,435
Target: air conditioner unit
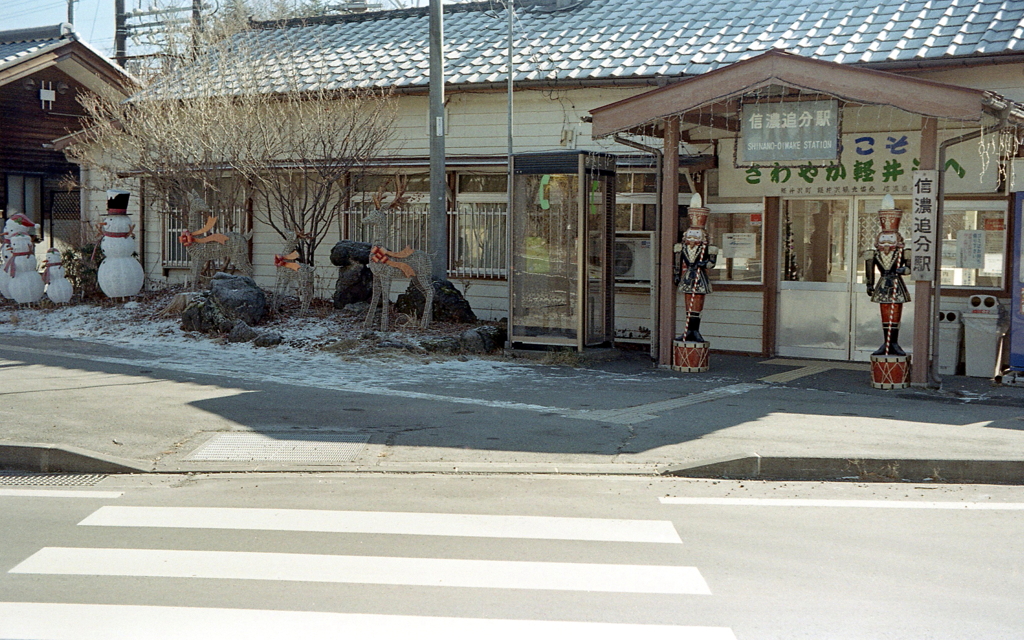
x,y
634,257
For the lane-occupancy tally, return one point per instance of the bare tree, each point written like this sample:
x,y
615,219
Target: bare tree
x,y
219,128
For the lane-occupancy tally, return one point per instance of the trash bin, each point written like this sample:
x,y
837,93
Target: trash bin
x,y
951,334
984,328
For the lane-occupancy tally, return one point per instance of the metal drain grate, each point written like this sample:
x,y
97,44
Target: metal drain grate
x,y
315,447
22,479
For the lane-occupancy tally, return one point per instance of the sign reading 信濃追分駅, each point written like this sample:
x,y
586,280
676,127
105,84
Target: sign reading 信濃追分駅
x,y
789,132
868,164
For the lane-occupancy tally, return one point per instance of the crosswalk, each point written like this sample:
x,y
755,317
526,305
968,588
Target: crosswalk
x,y
137,558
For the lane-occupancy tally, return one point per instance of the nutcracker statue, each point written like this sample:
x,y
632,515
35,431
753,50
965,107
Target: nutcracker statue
x,y
694,256
890,365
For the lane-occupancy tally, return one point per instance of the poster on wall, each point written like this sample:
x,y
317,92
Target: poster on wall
x,y
970,249
739,245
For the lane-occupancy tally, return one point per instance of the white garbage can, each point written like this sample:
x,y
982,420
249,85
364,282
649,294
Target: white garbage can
x,y
984,328
951,333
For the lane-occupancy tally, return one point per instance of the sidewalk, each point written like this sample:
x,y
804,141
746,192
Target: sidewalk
x,y
78,406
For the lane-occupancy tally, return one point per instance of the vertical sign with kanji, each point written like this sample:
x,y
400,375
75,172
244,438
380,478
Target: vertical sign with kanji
x,y
923,225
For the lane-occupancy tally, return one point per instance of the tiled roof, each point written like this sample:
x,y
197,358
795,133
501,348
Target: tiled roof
x,y
20,44
622,39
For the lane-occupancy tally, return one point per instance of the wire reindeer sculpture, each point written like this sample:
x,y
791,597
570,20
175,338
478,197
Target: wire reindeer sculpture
x,y
290,271
385,265
229,248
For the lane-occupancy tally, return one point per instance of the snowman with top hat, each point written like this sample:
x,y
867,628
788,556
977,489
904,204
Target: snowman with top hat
x,y
58,289
120,275
18,224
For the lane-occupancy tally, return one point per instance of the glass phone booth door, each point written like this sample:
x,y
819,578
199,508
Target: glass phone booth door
x,y
560,282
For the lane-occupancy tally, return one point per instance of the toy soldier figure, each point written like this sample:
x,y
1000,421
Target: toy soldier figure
x,y
694,256
891,261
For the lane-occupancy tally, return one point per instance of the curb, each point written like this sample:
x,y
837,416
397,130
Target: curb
x,y
48,458
755,467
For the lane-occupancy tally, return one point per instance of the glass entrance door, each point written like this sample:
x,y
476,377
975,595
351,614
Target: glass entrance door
x,y
824,309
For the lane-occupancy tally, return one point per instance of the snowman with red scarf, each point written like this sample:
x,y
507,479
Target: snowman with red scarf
x,y
120,275
58,289
26,285
17,224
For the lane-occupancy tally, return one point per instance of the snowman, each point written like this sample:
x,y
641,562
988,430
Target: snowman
x,y
58,289
120,275
16,224
26,285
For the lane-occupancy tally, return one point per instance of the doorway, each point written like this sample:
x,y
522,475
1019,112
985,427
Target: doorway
x,y
824,309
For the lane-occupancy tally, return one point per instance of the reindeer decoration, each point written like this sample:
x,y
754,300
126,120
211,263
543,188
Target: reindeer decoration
x,y
386,265
231,247
291,271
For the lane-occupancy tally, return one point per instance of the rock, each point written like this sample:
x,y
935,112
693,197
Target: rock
x,y
349,252
483,339
355,285
356,308
241,332
396,344
449,304
441,345
239,298
205,315
268,339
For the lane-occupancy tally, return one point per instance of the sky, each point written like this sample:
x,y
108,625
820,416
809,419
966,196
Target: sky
x,y
94,19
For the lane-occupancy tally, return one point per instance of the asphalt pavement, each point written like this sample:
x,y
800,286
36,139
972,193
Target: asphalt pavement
x,y
79,406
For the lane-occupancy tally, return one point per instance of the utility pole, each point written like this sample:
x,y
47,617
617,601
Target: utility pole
x,y
120,33
438,179
71,11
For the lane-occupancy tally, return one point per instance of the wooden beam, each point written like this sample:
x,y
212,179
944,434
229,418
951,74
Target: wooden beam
x,y
923,288
669,234
852,84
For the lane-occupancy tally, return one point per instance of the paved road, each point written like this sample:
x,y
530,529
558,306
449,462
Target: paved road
x,y
288,555
161,408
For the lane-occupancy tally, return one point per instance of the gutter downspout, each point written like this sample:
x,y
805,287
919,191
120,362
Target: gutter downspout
x,y
655,281
934,381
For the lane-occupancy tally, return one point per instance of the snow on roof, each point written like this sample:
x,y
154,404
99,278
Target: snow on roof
x,y
606,40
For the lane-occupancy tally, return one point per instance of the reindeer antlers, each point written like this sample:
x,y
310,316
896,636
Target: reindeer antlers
x,y
401,182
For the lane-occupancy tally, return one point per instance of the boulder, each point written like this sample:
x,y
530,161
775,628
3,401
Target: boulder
x,y
483,339
203,314
241,332
239,298
441,345
449,305
268,339
348,252
355,284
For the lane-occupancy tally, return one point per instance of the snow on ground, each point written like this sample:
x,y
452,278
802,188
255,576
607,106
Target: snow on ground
x,y
351,358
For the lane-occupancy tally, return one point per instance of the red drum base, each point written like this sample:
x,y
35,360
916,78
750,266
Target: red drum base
x,y
690,357
890,372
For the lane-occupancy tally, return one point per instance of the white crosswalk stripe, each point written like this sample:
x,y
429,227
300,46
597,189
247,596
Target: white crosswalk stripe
x,y
141,621
559,576
429,524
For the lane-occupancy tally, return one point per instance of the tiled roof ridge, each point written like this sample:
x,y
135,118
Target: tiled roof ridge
x,y
37,34
396,14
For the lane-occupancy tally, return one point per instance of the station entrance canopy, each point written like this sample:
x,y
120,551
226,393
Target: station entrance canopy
x,y
734,101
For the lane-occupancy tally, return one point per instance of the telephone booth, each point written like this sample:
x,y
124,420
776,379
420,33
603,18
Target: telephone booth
x,y
561,285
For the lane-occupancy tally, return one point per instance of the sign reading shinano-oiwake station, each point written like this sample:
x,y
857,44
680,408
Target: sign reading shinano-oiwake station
x,y
788,132
922,225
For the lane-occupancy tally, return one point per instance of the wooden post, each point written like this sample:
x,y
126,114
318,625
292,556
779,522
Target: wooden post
x,y
669,236
923,288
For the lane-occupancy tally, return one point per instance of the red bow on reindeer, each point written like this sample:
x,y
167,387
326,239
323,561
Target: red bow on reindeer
x,y
188,238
